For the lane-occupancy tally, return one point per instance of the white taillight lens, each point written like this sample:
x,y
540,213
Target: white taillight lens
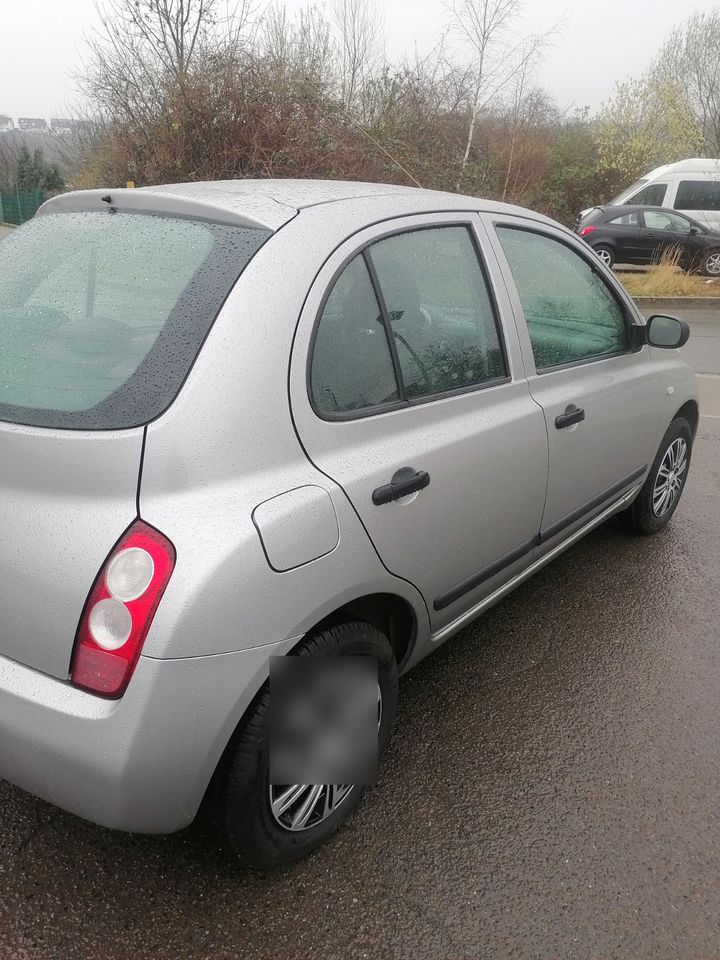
x,y
129,574
110,624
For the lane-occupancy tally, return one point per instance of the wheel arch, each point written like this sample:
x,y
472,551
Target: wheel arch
x,y
389,612
689,411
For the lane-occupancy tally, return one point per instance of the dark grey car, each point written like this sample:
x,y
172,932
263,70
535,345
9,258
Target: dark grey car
x,y
642,235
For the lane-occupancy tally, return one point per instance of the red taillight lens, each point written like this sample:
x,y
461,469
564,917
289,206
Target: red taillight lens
x,y
586,230
121,607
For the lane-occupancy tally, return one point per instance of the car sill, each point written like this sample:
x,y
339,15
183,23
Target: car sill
x,y
506,588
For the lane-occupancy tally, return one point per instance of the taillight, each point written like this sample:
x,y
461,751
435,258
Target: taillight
x,y
586,230
121,607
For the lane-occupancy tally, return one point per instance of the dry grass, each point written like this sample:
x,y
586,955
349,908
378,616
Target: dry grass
x,y
667,279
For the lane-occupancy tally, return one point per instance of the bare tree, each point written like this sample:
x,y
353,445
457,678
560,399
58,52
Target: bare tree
x,y
360,29
141,48
301,45
486,26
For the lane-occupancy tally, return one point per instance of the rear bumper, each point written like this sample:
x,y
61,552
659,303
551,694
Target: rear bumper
x,y
140,764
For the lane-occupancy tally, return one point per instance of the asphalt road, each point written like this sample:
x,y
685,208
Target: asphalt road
x,y
551,792
702,350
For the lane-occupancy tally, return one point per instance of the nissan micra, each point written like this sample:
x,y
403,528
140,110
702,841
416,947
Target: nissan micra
x,y
251,419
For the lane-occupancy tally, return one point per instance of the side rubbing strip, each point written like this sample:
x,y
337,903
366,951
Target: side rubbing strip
x,y
450,596
549,532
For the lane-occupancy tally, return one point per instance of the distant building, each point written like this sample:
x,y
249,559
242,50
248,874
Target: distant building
x,y
61,126
6,123
35,124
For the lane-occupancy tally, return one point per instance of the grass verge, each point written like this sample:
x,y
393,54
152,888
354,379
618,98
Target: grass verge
x,y
666,279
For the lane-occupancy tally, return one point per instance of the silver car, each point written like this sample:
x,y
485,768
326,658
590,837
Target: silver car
x,y
242,420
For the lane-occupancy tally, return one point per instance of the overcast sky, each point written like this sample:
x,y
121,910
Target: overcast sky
x,y
600,42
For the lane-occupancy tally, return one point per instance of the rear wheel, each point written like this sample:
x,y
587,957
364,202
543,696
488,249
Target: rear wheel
x,y
665,482
268,825
711,263
606,254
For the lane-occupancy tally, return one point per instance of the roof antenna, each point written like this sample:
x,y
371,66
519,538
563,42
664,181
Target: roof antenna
x,y
107,199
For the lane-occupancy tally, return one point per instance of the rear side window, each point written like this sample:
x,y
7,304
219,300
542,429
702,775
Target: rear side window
x,y
571,313
653,195
352,367
627,220
698,195
102,314
441,316
422,324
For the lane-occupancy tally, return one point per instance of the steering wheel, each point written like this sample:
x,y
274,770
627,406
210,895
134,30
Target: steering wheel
x,y
413,353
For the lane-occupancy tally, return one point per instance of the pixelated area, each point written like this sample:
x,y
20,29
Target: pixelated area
x,y
324,719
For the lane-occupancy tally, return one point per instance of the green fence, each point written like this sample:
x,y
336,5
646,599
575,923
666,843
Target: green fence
x,y
17,207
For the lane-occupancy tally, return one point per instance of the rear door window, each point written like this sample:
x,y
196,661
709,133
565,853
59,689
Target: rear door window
x,y
102,314
698,195
441,315
352,368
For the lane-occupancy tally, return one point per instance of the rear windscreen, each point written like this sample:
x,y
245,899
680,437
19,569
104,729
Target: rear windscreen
x,y
102,314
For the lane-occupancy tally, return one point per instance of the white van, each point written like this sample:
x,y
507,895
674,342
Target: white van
x,y
690,186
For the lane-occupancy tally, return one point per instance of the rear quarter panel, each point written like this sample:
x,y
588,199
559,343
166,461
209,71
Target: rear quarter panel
x,y
228,445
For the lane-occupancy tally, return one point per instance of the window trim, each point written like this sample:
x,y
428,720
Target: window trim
x,y
404,403
568,242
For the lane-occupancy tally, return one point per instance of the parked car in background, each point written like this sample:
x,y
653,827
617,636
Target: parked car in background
x,y
689,186
641,235
260,419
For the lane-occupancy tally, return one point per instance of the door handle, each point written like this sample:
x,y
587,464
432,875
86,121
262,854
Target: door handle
x,y
572,415
405,481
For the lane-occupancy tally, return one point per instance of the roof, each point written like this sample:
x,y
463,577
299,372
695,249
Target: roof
x,y
618,209
691,165
250,203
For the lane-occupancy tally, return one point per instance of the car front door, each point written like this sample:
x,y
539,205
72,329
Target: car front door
x,y
598,394
409,391
665,232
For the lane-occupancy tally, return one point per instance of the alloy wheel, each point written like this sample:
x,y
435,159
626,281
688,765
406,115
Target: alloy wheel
x,y
301,806
605,256
712,264
669,480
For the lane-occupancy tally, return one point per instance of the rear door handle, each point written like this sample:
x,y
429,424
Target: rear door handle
x,y
405,481
572,415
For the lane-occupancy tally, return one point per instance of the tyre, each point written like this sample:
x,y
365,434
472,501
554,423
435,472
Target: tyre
x,y
710,264
606,254
665,482
259,822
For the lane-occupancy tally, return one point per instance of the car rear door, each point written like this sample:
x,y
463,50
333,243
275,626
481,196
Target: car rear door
x,y
599,395
408,389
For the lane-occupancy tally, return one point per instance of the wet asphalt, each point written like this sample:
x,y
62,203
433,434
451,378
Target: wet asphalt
x,y
552,791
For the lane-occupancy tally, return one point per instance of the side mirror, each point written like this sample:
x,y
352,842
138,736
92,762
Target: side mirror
x,y
667,332
693,231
